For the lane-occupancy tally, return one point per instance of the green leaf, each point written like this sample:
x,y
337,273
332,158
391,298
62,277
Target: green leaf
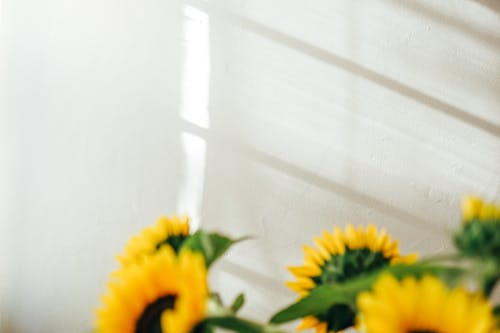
x,y
319,300
496,311
211,245
203,327
325,296
236,324
238,303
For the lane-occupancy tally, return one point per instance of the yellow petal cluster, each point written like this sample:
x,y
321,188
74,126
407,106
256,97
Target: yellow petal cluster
x,y
135,287
336,243
146,242
474,207
425,305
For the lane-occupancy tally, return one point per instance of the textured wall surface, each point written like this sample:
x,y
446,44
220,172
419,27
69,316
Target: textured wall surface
x,y
272,118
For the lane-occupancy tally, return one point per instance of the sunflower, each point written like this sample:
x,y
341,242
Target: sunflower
x,y
426,305
167,231
162,293
475,208
337,257
479,235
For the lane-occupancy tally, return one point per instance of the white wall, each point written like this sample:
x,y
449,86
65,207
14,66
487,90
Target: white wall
x,y
273,118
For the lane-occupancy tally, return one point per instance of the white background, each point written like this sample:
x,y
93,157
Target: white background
x,y
272,118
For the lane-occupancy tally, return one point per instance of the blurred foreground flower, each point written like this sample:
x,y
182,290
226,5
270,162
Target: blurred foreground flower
x,y
479,235
351,277
479,239
474,208
162,293
161,285
425,305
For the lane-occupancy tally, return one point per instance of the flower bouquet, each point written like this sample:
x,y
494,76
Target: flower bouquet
x,y
354,277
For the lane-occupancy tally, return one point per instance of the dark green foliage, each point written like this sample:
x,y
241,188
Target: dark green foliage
x,y
174,241
338,317
322,298
235,324
351,264
211,245
341,268
496,312
237,303
479,239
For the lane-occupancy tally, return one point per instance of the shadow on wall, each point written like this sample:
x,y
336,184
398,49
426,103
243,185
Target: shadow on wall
x,y
363,72
492,40
494,5
366,73
375,77
307,176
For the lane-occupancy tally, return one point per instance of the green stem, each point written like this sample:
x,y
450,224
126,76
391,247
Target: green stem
x,y
220,316
241,325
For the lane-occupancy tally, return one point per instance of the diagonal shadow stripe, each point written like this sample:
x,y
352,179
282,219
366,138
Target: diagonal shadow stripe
x,y
309,177
370,75
332,186
491,39
350,66
493,5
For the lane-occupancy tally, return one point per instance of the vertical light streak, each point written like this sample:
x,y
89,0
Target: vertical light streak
x,y
196,67
193,175
194,109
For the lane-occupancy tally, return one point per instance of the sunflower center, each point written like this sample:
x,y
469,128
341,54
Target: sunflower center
x,y
338,317
342,267
150,319
174,241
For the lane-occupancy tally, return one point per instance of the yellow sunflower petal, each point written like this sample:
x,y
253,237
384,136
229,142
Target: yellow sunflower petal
x,y
322,248
352,237
312,256
307,322
177,285
305,271
489,212
407,259
339,240
322,327
298,288
424,305
148,241
471,206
